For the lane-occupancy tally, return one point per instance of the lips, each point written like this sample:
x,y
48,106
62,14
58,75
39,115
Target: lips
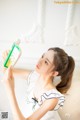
x,y
37,66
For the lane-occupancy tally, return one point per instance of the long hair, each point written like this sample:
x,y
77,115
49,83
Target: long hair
x,y
65,65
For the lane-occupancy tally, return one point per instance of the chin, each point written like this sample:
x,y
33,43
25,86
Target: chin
x,y
37,70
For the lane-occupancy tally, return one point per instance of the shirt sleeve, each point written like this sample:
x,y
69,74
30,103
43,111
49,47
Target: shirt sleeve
x,y
51,94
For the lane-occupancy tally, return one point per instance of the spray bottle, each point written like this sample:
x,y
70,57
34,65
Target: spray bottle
x,y
13,54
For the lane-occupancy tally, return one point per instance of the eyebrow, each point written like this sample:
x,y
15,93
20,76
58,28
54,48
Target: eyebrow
x,y
48,60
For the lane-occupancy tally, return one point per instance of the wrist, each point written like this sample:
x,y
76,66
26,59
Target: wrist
x,y
10,91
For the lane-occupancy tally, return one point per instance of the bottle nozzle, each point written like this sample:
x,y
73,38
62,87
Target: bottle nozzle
x,y
18,41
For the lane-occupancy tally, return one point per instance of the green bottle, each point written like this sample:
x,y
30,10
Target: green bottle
x,y
13,55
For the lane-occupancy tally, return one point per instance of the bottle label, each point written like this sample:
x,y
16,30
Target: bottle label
x,y
12,56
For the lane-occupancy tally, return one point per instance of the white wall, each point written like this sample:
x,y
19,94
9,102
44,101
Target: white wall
x,y
16,18
39,26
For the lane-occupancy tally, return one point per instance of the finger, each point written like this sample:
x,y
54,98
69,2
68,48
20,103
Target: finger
x,y
5,54
7,73
10,73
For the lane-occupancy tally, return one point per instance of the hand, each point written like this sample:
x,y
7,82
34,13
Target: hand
x,y
8,79
4,56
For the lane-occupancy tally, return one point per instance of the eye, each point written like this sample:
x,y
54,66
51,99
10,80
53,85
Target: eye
x,y
46,62
42,56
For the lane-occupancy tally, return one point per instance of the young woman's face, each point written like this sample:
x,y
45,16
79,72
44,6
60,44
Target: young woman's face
x,y
45,63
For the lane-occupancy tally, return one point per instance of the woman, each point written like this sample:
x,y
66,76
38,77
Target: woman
x,y
47,96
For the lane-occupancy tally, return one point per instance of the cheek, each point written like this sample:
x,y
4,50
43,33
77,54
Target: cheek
x,y
45,70
42,70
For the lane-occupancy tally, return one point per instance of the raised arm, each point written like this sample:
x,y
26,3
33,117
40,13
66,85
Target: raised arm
x,y
17,114
48,105
22,73
37,115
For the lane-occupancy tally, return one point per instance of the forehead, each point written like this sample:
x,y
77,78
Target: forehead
x,y
50,55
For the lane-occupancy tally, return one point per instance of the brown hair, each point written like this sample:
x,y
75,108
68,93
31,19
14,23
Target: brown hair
x,y
65,65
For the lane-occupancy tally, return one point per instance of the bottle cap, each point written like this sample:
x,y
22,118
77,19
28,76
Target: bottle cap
x,y
18,41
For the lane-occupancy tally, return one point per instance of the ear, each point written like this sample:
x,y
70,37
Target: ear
x,y
55,73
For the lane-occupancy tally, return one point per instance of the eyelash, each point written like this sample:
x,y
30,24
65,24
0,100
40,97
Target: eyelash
x,y
45,60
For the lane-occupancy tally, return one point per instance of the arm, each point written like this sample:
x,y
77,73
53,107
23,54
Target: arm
x,y
8,81
38,114
22,73
45,107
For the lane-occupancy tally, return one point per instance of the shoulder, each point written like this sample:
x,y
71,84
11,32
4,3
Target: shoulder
x,y
52,98
50,103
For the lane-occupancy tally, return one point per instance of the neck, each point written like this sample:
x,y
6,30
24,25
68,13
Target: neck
x,y
45,81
